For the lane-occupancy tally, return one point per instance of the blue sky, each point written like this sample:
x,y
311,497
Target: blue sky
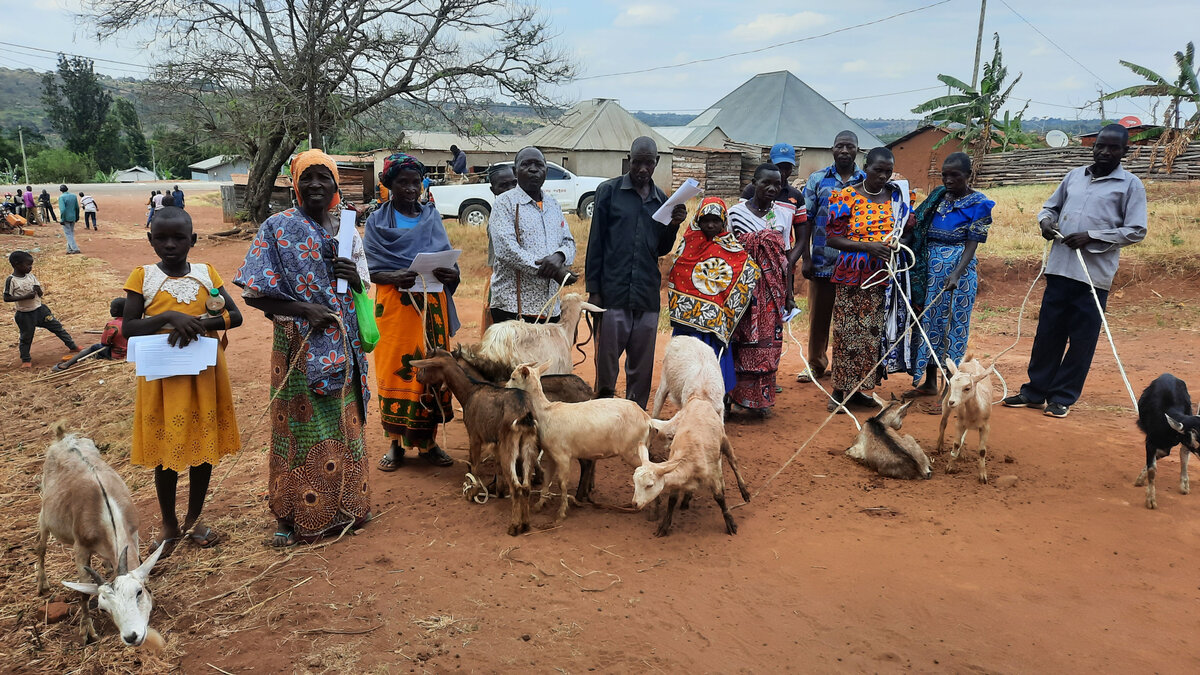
x,y
906,53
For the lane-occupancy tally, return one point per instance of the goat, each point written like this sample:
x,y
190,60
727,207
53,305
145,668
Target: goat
x,y
496,418
880,446
698,445
969,397
1165,416
594,429
515,342
690,368
86,505
567,388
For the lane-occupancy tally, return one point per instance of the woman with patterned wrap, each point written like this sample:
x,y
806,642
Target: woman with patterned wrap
x,y
710,284
318,479
410,323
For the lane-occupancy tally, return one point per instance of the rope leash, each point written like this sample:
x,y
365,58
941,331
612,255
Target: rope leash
x,y
1107,332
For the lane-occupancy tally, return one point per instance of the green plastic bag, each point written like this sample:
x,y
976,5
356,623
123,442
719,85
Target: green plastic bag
x,y
365,308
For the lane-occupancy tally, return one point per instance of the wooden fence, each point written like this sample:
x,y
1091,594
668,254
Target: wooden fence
x,y
1049,165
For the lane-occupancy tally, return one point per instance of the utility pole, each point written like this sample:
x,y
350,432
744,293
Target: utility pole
x,y
24,161
1100,100
978,45
153,160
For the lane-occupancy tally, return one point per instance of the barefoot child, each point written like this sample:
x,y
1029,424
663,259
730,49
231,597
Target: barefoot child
x,y
186,421
23,289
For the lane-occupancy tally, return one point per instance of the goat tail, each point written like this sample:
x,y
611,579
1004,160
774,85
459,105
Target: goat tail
x,y
525,421
60,429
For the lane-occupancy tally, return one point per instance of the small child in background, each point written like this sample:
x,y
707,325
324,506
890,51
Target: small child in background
x,y
25,291
112,345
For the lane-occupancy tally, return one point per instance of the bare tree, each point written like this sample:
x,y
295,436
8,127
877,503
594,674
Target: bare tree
x,y
265,74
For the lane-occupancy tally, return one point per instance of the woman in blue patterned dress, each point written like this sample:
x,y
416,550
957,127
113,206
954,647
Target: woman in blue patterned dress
x,y
951,223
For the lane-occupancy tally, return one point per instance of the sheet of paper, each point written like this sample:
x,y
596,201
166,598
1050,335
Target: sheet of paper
x,y
156,359
689,189
424,265
791,315
346,243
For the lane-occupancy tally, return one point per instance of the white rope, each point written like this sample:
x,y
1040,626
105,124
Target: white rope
x,y
1020,317
1104,322
840,405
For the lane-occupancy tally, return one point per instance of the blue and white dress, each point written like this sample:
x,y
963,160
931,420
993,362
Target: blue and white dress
x,y
948,321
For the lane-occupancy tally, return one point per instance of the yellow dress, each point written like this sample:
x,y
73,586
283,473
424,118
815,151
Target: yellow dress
x,y
186,420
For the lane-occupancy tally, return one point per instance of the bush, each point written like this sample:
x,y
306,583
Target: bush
x,y
58,165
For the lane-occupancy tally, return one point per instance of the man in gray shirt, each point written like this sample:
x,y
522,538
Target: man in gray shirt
x,y
1097,210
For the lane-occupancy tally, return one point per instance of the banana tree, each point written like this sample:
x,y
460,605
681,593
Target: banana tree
x,y
1185,89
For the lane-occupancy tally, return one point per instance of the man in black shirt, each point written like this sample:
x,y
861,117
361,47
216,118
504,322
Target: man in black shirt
x,y
622,273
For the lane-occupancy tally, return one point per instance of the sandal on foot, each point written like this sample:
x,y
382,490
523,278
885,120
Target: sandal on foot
x,y
282,540
436,456
170,542
393,460
206,539
807,377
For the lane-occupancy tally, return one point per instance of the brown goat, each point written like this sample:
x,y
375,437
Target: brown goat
x,y
880,446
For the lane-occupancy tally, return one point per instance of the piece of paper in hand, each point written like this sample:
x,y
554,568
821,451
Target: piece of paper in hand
x,y
345,239
791,315
156,359
689,189
424,265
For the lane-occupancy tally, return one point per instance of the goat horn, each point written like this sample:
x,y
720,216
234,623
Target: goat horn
x,y
94,575
122,562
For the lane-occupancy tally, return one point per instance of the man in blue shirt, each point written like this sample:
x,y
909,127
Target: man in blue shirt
x,y
818,260
459,162
68,215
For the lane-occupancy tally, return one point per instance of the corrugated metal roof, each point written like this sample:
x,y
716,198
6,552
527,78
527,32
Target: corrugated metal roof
x,y
595,124
777,107
442,140
212,162
688,136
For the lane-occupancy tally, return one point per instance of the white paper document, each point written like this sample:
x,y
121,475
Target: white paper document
x,y
156,359
424,265
787,317
689,189
345,241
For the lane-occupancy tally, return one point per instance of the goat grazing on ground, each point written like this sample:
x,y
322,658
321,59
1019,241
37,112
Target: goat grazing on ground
x,y
512,343
594,429
690,368
698,445
969,397
1165,416
86,505
497,419
880,446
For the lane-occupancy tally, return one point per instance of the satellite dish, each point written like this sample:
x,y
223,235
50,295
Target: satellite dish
x,y
1129,122
1056,139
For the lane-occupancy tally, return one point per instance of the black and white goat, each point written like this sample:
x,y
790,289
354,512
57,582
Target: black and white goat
x,y
1165,416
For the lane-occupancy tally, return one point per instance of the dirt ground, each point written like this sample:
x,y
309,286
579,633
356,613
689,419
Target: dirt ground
x,y
832,569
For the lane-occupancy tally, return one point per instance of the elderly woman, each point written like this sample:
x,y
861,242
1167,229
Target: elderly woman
x,y
863,217
763,227
318,477
411,321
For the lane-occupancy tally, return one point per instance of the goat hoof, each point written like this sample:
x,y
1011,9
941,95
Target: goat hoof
x,y
951,469
514,530
730,527
662,532
1184,488
1140,482
983,479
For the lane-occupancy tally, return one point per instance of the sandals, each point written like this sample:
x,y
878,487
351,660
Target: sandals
x,y
807,376
282,540
436,456
206,539
393,460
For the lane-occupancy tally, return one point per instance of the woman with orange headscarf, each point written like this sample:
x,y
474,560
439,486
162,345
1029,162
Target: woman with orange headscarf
x,y
318,462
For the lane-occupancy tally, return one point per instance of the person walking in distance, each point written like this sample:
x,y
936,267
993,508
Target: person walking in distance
x,y
89,211
68,211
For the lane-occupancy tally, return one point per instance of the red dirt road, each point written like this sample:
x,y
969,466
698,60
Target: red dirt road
x,y
833,568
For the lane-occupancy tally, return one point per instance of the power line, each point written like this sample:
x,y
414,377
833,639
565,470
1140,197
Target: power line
x,y
763,49
142,66
894,93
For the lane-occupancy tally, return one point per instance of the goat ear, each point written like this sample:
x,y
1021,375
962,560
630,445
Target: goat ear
x,y
123,562
543,367
421,363
950,367
143,571
980,378
882,403
1175,424
90,589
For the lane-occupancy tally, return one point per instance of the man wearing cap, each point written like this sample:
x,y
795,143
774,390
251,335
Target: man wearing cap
x,y
817,260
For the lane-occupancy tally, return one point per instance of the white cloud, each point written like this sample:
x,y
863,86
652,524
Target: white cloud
x,y
856,66
769,26
645,15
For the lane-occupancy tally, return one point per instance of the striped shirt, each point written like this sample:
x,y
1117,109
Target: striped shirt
x,y
780,218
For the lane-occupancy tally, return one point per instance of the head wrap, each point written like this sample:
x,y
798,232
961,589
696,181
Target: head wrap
x,y
394,164
711,206
308,159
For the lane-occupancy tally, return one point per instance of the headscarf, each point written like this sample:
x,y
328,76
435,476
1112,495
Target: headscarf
x,y
394,164
309,159
712,280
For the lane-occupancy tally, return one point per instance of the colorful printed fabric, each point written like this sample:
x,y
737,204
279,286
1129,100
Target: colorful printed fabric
x,y
408,411
712,280
858,219
757,342
397,162
817,191
948,322
291,258
858,323
318,464
961,220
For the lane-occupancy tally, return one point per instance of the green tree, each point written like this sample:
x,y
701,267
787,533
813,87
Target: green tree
x,y
265,75
1184,89
58,165
76,105
137,150
971,114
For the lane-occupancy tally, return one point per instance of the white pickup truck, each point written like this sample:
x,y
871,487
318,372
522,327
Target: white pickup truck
x,y
472,203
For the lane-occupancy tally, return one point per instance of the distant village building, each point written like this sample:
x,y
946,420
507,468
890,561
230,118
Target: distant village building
x,y
1088,140
138,174
916,158
219,168
432,148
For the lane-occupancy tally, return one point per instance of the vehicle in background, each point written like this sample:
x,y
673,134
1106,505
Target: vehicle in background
x,y
472,203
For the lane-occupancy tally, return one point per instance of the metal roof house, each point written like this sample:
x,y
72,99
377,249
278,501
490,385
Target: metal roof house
x,y
592,138
137,174
219,168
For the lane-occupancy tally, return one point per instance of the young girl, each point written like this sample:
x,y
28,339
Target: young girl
x,y
186,420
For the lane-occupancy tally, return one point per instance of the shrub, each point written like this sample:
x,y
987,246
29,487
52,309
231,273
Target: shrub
x,y
57,165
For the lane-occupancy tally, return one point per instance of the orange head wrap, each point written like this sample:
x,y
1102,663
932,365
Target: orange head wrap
x,y
308,159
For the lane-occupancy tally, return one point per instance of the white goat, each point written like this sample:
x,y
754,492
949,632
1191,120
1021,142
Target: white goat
x,y
512,343
85,504
690,368
694,462
969,397
595,429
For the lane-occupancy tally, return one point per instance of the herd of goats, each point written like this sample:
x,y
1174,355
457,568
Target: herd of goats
x,y
522,404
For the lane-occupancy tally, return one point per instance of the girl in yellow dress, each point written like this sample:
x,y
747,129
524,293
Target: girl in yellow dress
x,y
185,421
